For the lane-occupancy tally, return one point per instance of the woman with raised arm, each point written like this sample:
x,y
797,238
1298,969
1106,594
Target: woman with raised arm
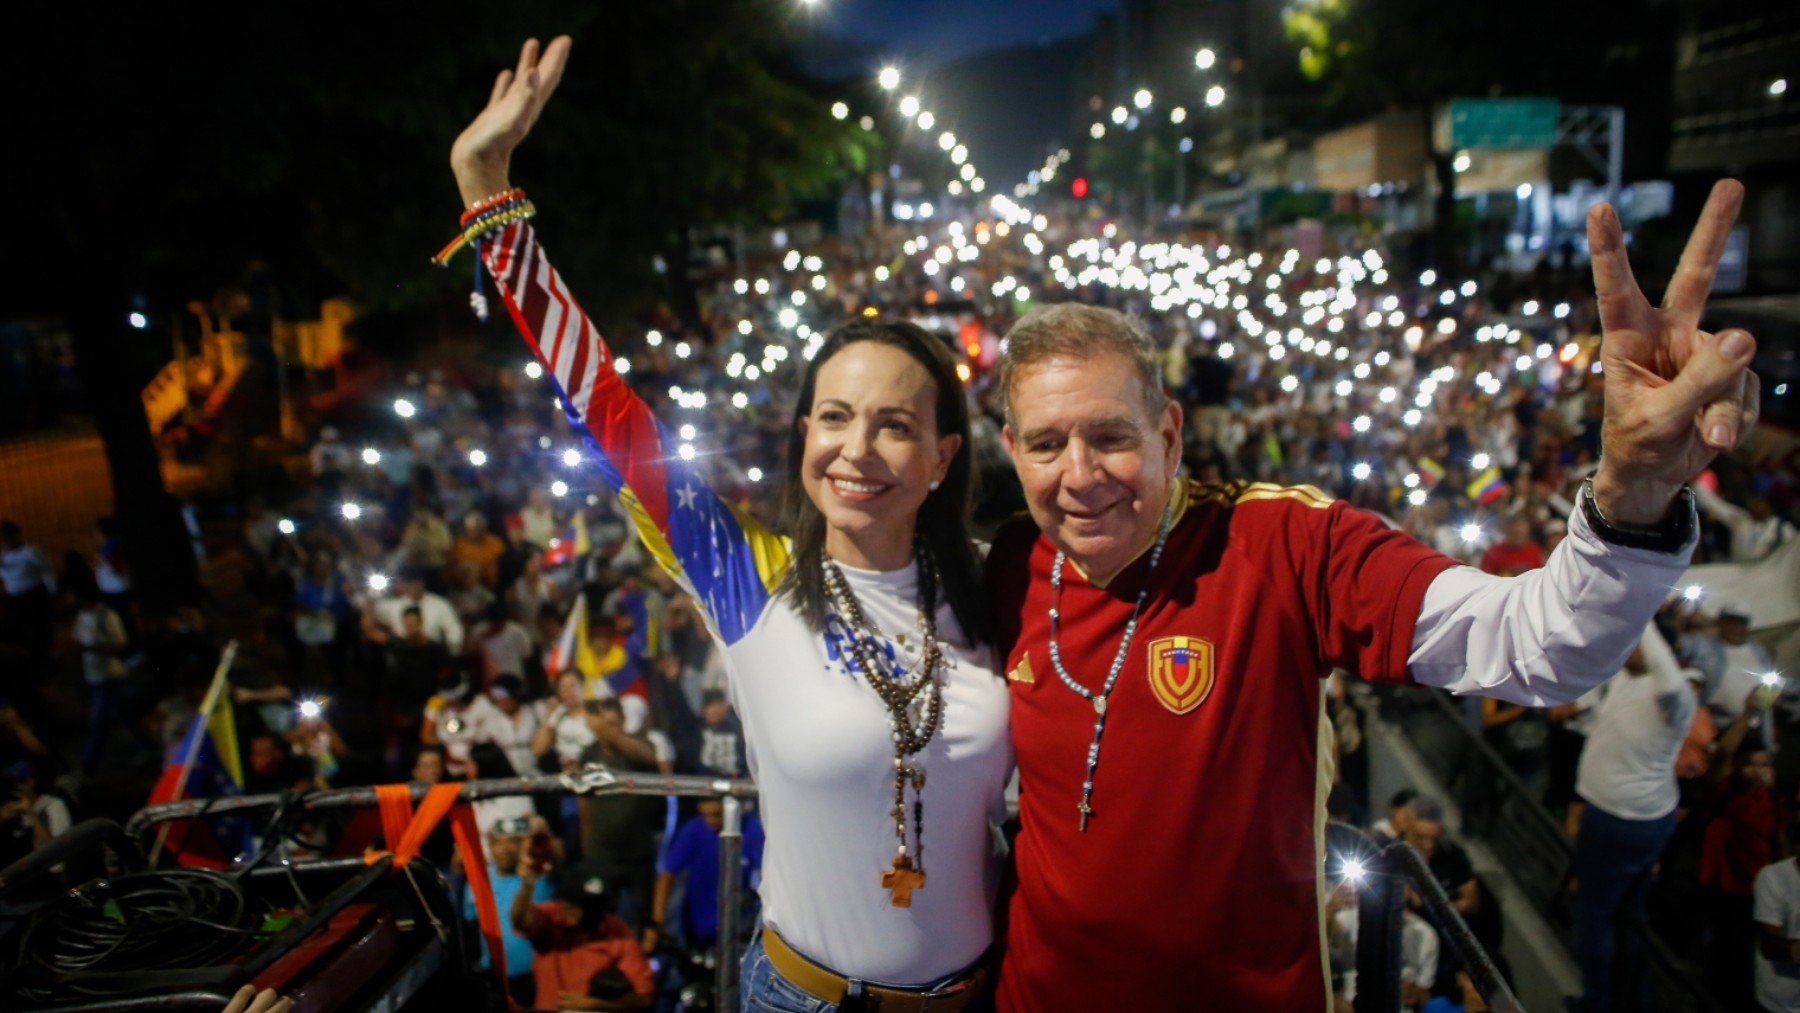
x,y
858,647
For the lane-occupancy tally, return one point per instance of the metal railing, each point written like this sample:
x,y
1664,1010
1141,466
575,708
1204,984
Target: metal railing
x,y
593,780
1508,817
1381,887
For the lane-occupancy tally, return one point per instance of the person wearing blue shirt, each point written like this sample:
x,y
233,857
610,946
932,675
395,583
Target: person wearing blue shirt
x,y
694,852
506,849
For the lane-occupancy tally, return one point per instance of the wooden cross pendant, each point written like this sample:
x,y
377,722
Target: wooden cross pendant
x,y
1086,811
902,880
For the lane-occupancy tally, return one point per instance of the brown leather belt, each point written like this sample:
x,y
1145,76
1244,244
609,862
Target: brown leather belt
x,y
835,988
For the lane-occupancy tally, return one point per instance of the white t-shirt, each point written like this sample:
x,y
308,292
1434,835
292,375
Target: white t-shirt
x,y
488,723
572,732
1627,768
1777,903
435,613
821,750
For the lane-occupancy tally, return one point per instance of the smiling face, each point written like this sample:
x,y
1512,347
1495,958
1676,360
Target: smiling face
x,y
871,452
1097,466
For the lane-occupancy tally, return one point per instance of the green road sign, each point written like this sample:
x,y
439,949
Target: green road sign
x,y
1503,122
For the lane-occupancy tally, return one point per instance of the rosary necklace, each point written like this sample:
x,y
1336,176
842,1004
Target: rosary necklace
x,y
914,698
1118,664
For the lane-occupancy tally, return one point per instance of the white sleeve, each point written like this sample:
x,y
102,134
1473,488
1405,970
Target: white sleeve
x,y
1770,907
1547,636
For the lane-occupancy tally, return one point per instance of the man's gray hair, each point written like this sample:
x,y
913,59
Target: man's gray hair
x,y
1076,331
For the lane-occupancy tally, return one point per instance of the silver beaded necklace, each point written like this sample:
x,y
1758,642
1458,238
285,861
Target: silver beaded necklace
x,y
1118,664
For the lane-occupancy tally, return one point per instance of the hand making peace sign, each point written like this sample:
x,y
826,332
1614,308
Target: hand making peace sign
x,y
482,154
1676,396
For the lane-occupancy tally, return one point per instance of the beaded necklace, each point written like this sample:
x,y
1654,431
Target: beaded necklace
x,y
914,698
1118,664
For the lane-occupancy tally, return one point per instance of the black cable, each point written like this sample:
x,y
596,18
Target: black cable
x,y
163,920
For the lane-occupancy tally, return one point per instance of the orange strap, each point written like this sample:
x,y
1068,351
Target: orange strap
x,y
407,832
487,913
396,812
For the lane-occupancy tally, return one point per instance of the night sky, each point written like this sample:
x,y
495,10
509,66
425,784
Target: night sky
x,y
854,37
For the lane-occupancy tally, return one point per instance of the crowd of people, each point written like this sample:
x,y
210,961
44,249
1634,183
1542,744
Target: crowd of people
x,y
457,593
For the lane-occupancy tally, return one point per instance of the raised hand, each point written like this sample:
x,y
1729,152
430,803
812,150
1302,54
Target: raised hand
x,y
1676,396
482,154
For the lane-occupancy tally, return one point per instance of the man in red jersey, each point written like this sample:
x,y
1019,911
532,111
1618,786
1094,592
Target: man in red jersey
x,y
1166,640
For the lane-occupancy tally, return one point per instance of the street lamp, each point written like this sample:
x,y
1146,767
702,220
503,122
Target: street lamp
x,y
1205,59
889,78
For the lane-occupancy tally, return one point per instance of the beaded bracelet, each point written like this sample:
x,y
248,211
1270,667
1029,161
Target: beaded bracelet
x,y
492,201
489,221
483,218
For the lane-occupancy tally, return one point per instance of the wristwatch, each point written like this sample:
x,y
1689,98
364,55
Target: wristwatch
x,y
1670,535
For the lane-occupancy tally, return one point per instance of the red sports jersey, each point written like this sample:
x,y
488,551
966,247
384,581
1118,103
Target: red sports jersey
x,y
1197,883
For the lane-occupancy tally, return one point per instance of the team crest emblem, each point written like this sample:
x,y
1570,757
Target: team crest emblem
x,y
1181,672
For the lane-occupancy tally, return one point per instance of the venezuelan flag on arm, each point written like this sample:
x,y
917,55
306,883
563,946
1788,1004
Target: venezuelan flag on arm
x,y
727,561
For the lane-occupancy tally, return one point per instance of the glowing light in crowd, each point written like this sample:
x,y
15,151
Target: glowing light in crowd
x,y
285,526
1562,310
946,140
1120,114
1354,871
1205,59
1215,96
351,511
1523,192
926,120
378,582
1692,592
371,456
686,452
1097,131
687,432
1361,471
1479,462
478,458
571,458
621,365
138,320
1462,163
1417,497
1142,99
1778,87
1470,533
1771,679
889,78
1427,277
404,408
1362,424
840,111
909,106
310,710
755,474
559,488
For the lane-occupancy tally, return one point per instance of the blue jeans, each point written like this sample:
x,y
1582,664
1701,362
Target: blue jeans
x,y
762,989
1614,859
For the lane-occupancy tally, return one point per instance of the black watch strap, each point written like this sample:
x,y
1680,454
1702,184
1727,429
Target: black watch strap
x,y
1670,536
